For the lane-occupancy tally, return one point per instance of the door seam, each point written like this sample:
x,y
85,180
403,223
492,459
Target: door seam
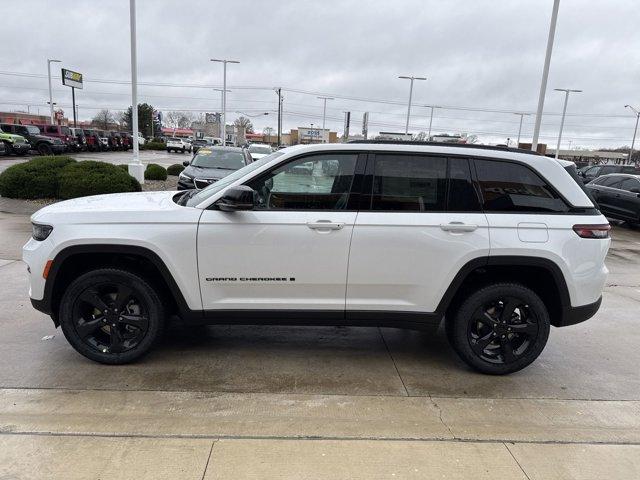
x,y
346,283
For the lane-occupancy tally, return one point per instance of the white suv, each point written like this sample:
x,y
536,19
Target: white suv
x,y
178,145
500,244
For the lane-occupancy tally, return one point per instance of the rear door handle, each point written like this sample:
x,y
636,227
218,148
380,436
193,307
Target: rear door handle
x,y
458,227
325,225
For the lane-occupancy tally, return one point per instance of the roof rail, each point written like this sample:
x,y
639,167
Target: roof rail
x,y
445,144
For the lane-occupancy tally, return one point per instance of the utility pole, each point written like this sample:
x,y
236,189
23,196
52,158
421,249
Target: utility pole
x,y
280,98
635,130
412,78
564,111
222,134
49,62
224,94
545,75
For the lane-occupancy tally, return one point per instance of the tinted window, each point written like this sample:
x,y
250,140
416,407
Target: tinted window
x,y
315,182
223,159
409,183
51,129
608,181
509,187
462,196
608,169
629,183
592,171
629,169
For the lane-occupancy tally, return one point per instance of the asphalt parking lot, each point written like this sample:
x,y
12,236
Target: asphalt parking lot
x,y
300,402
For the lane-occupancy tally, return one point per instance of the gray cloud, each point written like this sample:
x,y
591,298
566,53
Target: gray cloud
x,y
482,54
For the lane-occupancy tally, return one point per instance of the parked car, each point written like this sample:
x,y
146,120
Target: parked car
x,y
199,143
43,144
115,141
497,244
210,165
14,144
618,196
105,139
63,133
259,150
597,170
81,139
213,140
127,140
93,140
175,144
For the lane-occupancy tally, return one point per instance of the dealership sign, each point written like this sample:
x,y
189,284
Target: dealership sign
x,y
71,79
313,134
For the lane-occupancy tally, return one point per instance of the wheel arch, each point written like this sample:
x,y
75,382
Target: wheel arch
x,y
541,275
77,259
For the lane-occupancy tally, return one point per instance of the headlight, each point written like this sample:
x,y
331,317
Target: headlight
x,y
185,177
40,232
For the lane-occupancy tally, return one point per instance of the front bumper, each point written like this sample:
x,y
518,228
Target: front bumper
x,y
58,148
20,148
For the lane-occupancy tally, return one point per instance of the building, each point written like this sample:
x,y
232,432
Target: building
x,y
24,118
590,157
177,132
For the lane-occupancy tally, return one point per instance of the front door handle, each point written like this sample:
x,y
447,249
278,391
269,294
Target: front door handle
x,y
458,227
325,225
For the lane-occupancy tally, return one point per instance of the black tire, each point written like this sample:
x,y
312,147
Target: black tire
x,y
500,328
182,151
133,324
44,149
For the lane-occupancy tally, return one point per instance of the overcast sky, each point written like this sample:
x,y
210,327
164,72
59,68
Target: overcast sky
x,y
477,54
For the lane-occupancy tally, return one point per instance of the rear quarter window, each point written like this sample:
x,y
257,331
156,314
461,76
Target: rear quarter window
x,y
511,187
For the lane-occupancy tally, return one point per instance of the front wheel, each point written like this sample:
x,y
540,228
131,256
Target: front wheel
x,y
111,316
500,329
44,149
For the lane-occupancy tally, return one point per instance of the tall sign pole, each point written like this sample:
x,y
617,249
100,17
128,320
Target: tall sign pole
x,y
73,80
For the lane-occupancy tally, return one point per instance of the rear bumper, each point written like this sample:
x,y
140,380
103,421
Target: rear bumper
x,y
573,315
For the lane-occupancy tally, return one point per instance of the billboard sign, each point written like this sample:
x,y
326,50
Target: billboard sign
x,y
71,79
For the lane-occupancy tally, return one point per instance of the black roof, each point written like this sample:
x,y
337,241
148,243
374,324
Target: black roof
x,y
444,144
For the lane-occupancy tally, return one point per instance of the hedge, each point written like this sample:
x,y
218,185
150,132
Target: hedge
x,y
155,172
94,178
153,145
37,178
175,169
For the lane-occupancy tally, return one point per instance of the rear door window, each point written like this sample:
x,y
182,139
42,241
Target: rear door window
x,y
415,183
609,181
629,184
511,187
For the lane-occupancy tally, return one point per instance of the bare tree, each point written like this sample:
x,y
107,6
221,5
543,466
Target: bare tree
x,y
244,123
103,119
179,119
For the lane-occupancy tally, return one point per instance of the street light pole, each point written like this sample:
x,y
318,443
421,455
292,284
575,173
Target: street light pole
x,y
520,128
635,130
221,108
545,74
49,62
136,168
324,112
431,121
411,78
224,95
564,111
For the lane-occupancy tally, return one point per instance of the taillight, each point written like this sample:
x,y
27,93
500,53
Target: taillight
x,y
592,231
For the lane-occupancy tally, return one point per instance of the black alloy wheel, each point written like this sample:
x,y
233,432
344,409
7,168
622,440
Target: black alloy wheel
x,y
111,316
500,329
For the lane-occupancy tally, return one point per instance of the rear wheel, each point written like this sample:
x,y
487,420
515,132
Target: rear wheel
x,y
44,149
111,316
500,329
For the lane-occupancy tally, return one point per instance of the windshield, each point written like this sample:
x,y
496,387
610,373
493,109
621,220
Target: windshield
x,y
214,188
259,149
33,130
224,159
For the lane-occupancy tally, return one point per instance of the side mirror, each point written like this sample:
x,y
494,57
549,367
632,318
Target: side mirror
x,y
237,198
186,163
